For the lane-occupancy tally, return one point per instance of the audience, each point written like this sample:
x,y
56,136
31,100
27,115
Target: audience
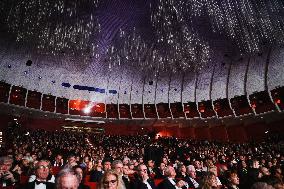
x,y
142,179
130,162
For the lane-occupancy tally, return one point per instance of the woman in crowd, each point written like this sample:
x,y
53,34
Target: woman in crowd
x,y
233,180
110,180
209,181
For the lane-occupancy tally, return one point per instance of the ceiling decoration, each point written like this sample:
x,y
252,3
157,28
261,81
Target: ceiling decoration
x,y
163,35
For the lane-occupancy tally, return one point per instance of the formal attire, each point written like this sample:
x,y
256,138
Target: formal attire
x,y
83,186
192,183
95,176
126,181
159,174
169,183
39,185
138,183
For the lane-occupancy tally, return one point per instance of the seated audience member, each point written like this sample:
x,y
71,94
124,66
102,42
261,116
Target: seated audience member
x,y
110,180
142,180
97,173
26,165
79,171
160,171
89,167
277,173
181,171
7,177
169,182
150,168
67,179
253,173
264,171
198,168
42,178
126,173
85,162
58,161
232,180
117,166
208,181
261,185
213,169
71,161
191,178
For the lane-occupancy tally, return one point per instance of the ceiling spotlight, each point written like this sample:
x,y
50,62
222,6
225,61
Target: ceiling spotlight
x,y
87,110
266,132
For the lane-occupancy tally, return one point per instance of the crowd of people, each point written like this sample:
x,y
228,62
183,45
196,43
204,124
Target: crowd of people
x,y
65,159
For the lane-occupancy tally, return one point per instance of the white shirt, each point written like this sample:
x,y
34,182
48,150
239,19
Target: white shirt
x,y
40,186
33,177
196,185
174,183
147,183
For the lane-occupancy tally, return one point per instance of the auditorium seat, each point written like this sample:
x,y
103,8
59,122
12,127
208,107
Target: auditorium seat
x,y
24,179
92,185
55,170
157,181
87,178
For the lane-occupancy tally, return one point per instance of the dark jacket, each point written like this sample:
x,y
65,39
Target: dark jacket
x,y
139,184
31,185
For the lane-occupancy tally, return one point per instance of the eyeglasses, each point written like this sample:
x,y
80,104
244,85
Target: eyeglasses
x,y
109,182
42,167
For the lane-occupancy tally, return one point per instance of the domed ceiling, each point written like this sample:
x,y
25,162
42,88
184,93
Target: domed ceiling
x,y
151,34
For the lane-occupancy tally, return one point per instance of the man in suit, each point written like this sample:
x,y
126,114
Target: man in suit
x,y
170,182
7,178
79,171
41,172
191,177
117,165
160,171
96,175
142,181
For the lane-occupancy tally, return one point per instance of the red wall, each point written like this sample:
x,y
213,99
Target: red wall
x,y
237,133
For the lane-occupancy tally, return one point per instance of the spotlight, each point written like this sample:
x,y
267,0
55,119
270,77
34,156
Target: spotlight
x,y
87,110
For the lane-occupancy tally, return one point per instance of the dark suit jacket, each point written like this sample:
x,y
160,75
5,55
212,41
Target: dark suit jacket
x,y
189,182
95,176
126,182
158,174
138,184
83,186
186,178
31,185
166,184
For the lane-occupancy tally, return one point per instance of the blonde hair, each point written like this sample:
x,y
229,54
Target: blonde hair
x,y
105,175
206,181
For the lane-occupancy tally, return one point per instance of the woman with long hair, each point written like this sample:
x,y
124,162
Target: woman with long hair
x,y
209,181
